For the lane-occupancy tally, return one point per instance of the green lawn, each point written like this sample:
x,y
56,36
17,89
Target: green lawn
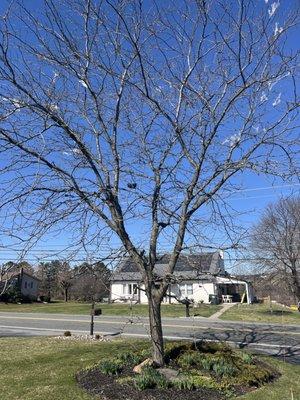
x,y
262,313
44,368
172,310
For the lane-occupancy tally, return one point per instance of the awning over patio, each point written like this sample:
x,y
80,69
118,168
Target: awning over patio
x,y
232,281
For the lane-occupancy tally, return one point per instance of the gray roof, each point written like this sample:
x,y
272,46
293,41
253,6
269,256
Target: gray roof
x,y
189,266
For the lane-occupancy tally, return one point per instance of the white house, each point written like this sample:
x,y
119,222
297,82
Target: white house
x,y
199,277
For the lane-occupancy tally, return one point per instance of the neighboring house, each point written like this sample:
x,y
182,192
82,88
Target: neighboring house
x,y
199,277
25,282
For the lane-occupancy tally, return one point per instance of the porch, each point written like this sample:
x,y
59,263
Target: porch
x,y
230,290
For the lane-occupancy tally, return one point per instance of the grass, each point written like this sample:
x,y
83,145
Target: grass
x,y
44,368
262,313
60,307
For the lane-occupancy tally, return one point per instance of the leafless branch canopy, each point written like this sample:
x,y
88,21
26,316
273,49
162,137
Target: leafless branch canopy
x,y
114,112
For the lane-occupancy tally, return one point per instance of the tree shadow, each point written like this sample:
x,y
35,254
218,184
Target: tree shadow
x,y
276,312
256,341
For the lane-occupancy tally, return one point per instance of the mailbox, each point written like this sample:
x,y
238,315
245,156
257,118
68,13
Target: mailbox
x,y
97,311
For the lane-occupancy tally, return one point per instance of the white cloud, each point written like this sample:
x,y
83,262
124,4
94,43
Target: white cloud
x,y
273,8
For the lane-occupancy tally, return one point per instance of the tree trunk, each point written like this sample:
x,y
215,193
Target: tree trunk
x,y
296,284
156,328
66,294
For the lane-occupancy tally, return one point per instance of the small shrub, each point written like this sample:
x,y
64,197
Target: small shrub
x,y
97,336
254,375
67,333
212,347
150,378
174,350
110,366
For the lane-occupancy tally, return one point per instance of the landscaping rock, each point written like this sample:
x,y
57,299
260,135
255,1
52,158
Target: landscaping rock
x,y
169,373
85,338
146,363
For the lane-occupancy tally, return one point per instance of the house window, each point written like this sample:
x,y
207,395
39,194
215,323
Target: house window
x,y
31,285
124,289
134,288
186,289
130,288
189,289
182,289
25,284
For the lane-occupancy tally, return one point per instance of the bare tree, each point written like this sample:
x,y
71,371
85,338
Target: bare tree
x,y
276,242
91,282
5,274
65,279
119,112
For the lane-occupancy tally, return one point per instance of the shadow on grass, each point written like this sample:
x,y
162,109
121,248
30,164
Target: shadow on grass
x,y
276,312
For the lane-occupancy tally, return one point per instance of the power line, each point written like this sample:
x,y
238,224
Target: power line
x,y
266,188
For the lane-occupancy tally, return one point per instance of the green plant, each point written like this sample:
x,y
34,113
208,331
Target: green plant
x,y
125,380
110,366
212,347
149,379
255,375
183,383
206,363
97,336
190,359
67,333
246,358
194,381
223,367
174,350
130,358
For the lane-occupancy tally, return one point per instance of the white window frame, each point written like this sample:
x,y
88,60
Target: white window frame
x,y
186,289
130,289
189,289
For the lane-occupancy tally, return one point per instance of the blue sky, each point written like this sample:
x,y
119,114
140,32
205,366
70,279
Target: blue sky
x,y
249,202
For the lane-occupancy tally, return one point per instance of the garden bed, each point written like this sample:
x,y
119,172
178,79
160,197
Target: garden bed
x,y
207,371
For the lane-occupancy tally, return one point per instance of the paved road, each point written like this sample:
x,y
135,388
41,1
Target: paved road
x,y
279,340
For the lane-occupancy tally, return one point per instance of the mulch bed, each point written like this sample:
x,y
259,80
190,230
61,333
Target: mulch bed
x,y
96,383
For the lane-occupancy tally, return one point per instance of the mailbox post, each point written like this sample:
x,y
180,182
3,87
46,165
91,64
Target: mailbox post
x,y
94,313
92,319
